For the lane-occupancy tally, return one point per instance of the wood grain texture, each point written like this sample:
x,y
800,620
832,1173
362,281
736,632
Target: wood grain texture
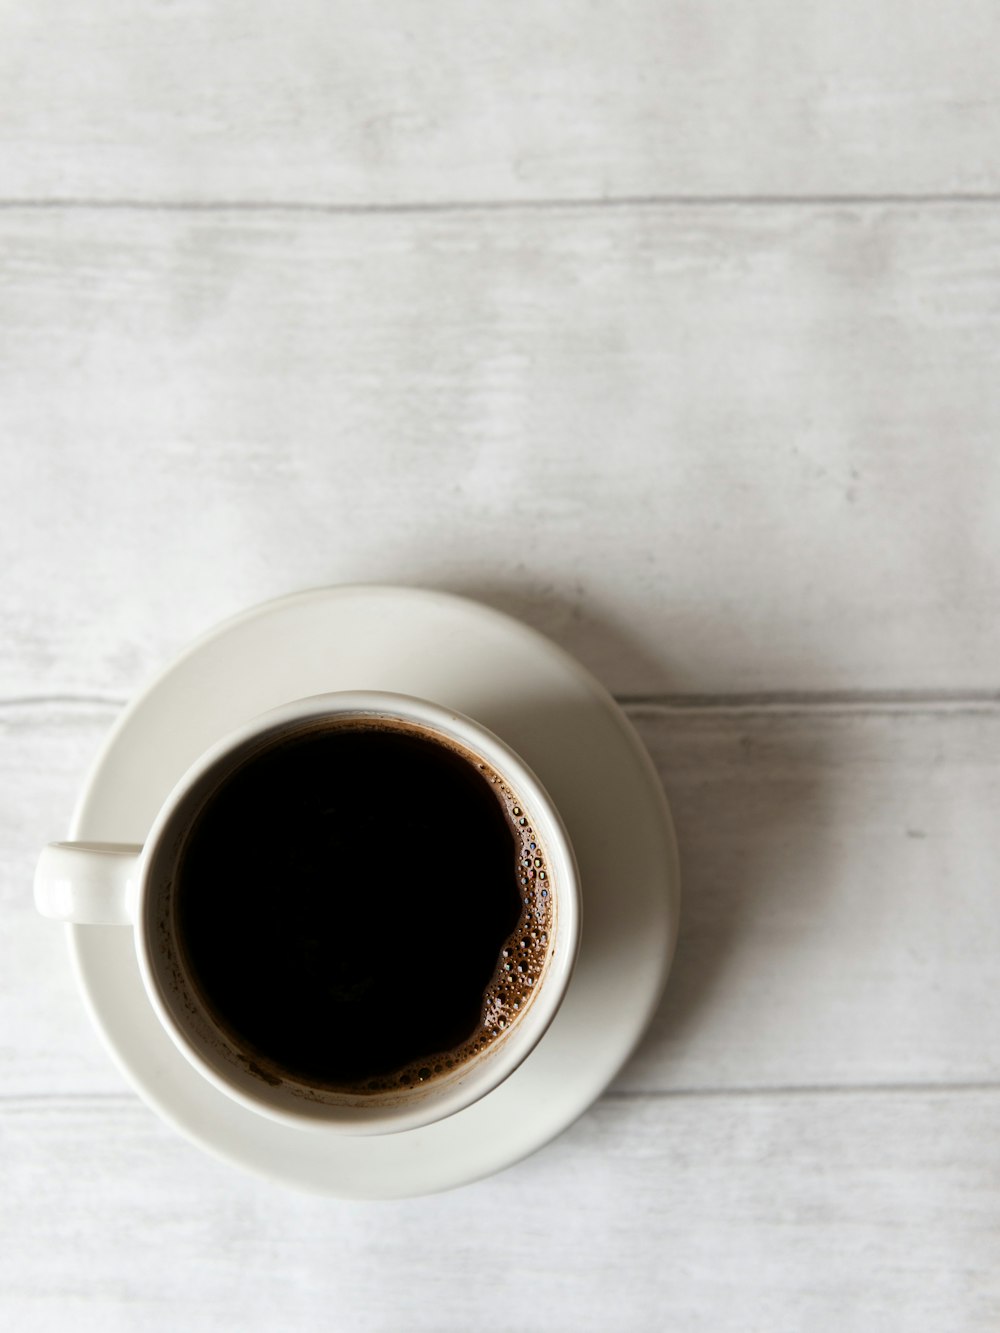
x,y
838,922
770,1213
673,329
359,103
838,925
46,1040
707,450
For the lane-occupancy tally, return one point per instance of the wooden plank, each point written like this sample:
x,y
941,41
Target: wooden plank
x,y
839,924
383,104
828,1212
708,451
46,1039
839,921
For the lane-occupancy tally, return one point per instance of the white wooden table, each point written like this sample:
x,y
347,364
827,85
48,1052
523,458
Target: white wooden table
x,y
674,329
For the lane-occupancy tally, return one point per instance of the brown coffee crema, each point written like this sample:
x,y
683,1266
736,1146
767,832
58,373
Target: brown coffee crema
x,y
364,906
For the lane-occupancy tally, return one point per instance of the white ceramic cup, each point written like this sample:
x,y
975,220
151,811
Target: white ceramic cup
x,y
109,884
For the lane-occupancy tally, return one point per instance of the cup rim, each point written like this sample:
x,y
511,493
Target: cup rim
x,y
419,1106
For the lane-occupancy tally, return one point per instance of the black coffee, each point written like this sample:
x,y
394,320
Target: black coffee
x,y
361,907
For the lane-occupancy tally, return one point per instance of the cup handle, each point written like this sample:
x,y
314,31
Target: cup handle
x,y
88,883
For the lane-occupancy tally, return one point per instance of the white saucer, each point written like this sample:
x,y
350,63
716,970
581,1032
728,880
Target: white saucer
x,y
569,730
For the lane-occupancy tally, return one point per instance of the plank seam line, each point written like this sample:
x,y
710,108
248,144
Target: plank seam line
x,y
14,1101
446,206
62,700
857,701
805,1090
812,701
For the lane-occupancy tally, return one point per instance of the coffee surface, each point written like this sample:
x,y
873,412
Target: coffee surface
x,y
361,907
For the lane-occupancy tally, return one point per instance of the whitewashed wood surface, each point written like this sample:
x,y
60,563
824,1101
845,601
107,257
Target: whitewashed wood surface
x,y
674,329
